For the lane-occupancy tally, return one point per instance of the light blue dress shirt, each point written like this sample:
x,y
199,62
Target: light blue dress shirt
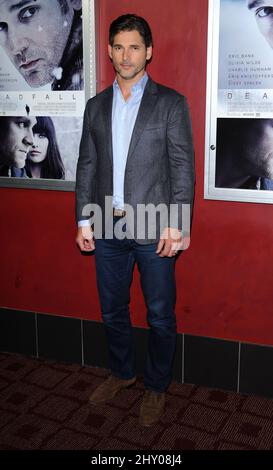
x,y
124,115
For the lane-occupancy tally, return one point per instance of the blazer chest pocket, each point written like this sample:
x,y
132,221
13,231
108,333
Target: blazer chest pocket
x,y
155,137
155,127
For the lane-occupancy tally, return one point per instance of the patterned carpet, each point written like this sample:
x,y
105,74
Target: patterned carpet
x,y
44,405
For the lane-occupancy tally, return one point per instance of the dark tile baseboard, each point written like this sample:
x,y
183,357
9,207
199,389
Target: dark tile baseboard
x,y
211,362
68,339
18,332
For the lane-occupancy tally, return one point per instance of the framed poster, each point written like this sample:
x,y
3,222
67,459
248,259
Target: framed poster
x,y
47,73
239,112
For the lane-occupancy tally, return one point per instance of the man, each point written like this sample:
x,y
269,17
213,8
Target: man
x,y
43,39
244,156
136,147
16,138
263,10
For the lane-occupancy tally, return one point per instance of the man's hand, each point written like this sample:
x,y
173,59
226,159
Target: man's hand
x,y
171,241
85,239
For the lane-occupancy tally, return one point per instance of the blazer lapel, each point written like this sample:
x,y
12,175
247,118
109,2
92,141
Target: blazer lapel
x,y
145,109
107,117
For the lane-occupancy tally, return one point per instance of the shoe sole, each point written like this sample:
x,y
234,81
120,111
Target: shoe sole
x,y
109,399
147,425
150,424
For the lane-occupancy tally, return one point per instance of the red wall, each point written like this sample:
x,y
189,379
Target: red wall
x,y
224,280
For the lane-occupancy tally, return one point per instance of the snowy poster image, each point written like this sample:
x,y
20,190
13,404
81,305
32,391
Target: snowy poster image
x,y
41,45
239,125
45,64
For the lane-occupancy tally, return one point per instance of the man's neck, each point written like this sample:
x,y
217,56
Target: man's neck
x,y
126,85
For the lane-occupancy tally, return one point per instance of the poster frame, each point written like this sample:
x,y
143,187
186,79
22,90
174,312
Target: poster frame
x,y
89,61
210,190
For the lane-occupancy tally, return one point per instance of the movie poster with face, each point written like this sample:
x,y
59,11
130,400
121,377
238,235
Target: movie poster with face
x,y
239,134
42,87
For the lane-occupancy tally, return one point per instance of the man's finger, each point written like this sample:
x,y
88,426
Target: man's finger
x,y
89,245
166,250
160,245
85,244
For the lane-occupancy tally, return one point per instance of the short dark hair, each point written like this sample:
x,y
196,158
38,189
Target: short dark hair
x,y
131,22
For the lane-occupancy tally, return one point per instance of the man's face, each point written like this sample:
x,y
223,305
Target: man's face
x,y
129,54
263,11
34,35
257,147
18,140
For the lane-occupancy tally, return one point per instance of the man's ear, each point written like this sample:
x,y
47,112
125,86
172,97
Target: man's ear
x,y
149,52
110,51
76,4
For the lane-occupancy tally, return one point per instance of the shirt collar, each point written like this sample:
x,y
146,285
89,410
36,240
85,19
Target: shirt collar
x,y
139,85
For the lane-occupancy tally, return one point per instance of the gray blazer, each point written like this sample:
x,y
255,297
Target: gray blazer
x,y
160,161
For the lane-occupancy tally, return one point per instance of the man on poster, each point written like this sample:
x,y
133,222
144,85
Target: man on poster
x,y
244,157
263,11
43,40
137,148
16,138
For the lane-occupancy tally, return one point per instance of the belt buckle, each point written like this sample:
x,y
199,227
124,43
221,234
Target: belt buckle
x,y
118,212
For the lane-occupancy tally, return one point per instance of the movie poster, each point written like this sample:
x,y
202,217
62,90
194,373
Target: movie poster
x,y
42,88
239,144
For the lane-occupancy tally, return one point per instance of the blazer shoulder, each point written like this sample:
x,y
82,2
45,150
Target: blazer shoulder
x,y
167,92
99,97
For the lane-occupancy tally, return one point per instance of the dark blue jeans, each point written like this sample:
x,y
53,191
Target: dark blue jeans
x,y
115,261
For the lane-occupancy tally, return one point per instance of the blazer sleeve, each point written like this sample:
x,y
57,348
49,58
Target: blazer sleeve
x,y
86,169
181,156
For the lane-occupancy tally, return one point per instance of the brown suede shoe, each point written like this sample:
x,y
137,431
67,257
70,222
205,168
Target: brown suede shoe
x,y
109,389
152,407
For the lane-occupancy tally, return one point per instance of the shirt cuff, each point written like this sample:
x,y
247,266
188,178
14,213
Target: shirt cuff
x,y
83,223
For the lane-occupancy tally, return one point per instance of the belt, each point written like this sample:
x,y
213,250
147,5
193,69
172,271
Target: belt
x,y
118,212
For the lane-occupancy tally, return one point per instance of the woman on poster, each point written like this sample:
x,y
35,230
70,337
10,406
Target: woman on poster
x,y
43,158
